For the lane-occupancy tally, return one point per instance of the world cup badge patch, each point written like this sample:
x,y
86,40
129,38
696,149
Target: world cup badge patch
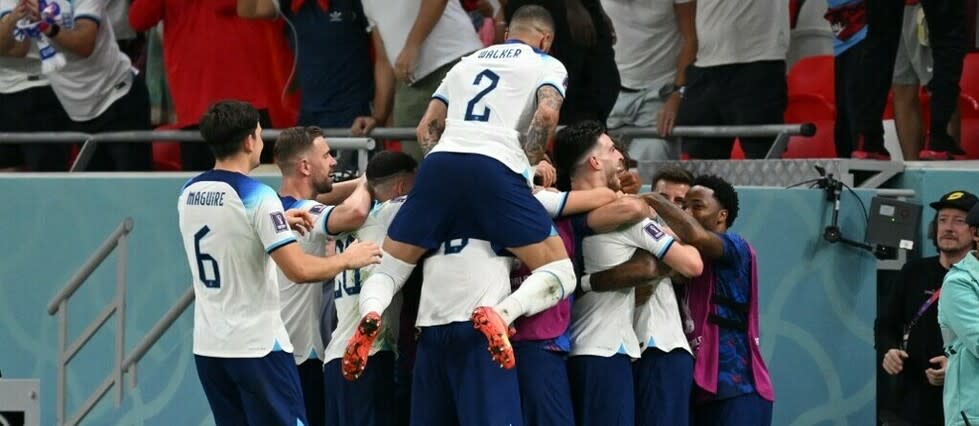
x,y
279,221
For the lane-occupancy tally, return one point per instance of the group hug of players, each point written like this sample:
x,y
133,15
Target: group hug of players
x,y
572,287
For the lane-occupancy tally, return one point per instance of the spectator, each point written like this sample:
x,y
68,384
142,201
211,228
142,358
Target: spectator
x,y
97,86
423,51
334,66
658,42
849,31
583,39
27,104
958,316
738,77
947,37
912,69
908,325
210,54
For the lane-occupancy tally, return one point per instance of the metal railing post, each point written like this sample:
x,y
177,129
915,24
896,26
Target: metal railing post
x,y
84,155
121,313
62,361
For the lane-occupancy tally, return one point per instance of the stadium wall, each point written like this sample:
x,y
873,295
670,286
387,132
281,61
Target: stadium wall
x,y
817,300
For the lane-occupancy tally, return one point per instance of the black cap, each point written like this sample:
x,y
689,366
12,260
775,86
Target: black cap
x,y
961,200
973,218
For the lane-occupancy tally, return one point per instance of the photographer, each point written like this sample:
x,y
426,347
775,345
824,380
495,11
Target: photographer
x,y
908,324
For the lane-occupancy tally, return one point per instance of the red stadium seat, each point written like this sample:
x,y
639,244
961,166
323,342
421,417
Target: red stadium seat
x,y
166,155
811,109
813,75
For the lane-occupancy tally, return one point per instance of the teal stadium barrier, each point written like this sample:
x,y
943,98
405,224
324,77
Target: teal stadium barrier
x,y
817,299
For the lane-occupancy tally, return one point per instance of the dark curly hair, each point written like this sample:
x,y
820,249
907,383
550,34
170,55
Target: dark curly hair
x,y
571,143
724,193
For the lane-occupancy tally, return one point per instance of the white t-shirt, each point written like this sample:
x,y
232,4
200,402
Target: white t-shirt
x,y
734,32
19,74
601,322
347,286
452,37
302,303
88,86
648,41
229,223
491,97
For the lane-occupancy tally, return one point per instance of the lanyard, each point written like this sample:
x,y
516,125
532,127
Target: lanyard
x,y
917,315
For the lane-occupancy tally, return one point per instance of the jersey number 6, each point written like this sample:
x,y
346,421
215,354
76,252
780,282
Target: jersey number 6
x,y
203,258
494,79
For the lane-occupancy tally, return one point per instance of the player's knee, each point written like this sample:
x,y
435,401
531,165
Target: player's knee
x,y
563,270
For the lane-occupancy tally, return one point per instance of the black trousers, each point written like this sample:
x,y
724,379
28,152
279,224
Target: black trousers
x,y
34,110
734,94
947,35
849,92
130,112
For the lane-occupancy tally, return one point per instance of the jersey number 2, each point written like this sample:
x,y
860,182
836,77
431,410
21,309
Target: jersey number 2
x,y
204,258
494,79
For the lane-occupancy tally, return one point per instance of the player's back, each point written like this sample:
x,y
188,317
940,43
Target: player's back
x,y
491,97
347,285
229,223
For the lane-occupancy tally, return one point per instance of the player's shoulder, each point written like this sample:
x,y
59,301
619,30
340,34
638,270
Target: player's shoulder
x,y
245,186
388,206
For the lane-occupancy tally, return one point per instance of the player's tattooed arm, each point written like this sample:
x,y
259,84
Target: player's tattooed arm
x,y
432,135
542,126
431,126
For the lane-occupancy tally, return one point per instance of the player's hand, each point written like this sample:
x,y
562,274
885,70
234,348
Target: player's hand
x,y
404,66
21,11
629,182
547,173
360,254
363,125
894,361
666,117
936,376
299,220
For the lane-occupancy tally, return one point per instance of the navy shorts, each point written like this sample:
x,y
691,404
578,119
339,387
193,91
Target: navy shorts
x,y
545,393
663,384
459,196
601,388
367,401
255,391
455,381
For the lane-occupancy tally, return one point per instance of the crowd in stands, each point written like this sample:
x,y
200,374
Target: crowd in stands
x,y
107,65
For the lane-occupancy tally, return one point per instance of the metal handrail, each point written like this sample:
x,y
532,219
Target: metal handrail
x,y
59,305
123,364
352,142
93,262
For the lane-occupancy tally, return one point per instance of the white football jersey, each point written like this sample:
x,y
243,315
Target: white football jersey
x,y
491,97
657,322
347,286
302,303
462,275
229,224
601,322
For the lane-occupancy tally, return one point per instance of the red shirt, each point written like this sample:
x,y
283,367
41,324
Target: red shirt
x,y
211,54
